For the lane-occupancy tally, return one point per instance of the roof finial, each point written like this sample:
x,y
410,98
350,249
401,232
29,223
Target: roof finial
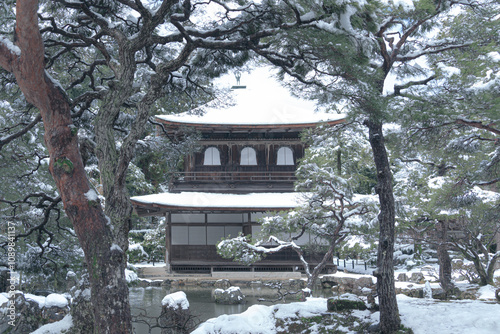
x,y
237,75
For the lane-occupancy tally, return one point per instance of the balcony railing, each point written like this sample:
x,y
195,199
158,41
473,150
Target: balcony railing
x,y
235,176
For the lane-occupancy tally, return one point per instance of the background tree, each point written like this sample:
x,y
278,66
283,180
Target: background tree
x,y
330,211
450,134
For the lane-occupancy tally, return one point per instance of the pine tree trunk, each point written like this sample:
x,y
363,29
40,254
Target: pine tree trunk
x,y
389,313
105,262
445,268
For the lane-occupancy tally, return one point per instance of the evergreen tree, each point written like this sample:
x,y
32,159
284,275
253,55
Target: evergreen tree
x,y
450,129
116,60
368,55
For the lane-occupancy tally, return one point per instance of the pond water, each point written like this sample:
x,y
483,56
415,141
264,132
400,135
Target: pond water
x,y
148,301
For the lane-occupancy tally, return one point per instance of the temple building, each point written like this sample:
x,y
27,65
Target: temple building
x,y
250,150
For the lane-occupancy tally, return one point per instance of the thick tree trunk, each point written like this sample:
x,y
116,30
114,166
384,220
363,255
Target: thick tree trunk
x,y
105,261
389,313
445,268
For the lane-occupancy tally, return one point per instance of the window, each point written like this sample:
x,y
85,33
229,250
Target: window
x,y
285,156
248,157
212,157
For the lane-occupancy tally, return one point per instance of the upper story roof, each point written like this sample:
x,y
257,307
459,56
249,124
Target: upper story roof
x,y
263,105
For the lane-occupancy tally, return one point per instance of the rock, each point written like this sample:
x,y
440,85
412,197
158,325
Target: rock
x,y
402,277
205,284
439,294
375,328
233,295
54,313
44,293
175,317
222,284
26,315
345,302
156,283
417,277
327,282
351,284
497,294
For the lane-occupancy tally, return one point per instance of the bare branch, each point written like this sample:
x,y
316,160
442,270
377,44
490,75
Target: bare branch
x,y
4,141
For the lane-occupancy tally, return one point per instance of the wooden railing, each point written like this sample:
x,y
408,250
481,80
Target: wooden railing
x,y
235,176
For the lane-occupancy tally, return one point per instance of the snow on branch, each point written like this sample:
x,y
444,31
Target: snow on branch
x,y
8,54
429,51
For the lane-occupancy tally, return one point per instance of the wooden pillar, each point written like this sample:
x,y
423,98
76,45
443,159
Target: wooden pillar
x,y
168,242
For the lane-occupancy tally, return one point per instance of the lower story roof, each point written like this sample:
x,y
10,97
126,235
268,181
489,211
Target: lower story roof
x,y
159,204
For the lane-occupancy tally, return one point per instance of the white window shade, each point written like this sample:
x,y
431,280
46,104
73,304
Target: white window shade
x,y
248,157
285,156
212,157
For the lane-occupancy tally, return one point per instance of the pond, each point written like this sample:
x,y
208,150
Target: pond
x,y
148,301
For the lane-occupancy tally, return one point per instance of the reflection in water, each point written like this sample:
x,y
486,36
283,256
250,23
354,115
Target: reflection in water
x,y
200,301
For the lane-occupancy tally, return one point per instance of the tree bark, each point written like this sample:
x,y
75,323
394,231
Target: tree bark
x,y
105,262
445,268
389,312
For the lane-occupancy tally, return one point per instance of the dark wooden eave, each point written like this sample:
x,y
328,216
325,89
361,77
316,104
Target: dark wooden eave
x,y
172,126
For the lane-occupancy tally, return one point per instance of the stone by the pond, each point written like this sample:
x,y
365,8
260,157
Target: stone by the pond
x,y
402,277
347,301
417,277
222,284
348,283
232,295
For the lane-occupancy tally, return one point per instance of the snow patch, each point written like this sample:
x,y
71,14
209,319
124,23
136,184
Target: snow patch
x,y
175,300
56,300
91,195
38,299
130,276
116,247
11,46
487,292
56,327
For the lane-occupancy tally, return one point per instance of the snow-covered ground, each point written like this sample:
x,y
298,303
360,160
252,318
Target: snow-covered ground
x,y
423,316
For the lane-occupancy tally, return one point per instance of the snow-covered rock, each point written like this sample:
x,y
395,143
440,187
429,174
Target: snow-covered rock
x,y
176,300
232,295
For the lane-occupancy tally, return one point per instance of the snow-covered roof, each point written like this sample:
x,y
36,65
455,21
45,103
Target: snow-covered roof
x,y
217,201
263,103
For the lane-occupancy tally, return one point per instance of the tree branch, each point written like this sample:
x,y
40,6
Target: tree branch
x,y
478,124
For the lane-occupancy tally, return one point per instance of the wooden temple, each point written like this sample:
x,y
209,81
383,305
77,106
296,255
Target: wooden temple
x,y
246,168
